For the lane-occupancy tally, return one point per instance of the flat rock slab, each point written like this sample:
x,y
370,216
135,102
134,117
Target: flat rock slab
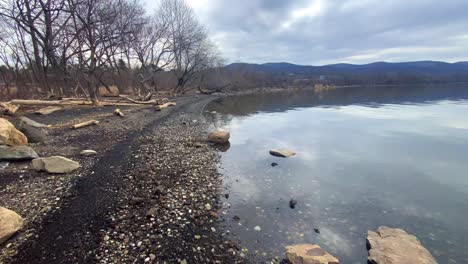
x,y
396,246
11,136
219,137
282,153
55,164
10,223
309,254
17,153
48,110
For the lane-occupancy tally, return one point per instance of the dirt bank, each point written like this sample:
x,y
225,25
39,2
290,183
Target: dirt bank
x,y
150,195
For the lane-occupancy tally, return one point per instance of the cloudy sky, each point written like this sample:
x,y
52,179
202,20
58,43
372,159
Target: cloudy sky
x,y
317,32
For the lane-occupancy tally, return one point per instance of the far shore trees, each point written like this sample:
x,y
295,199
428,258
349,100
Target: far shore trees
x,y
56,48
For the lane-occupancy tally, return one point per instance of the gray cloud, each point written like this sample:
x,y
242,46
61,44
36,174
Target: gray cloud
x,y
329,31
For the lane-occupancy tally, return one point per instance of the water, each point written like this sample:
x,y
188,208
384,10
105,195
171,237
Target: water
x,y
366,157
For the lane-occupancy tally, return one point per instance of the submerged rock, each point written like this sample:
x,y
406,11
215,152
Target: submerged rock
x,y
309,254
17,153
219,137
292,203
55,164
10,223
11,136
282,153
394,245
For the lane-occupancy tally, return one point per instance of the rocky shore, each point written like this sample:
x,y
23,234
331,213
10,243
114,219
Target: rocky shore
x,y
149,195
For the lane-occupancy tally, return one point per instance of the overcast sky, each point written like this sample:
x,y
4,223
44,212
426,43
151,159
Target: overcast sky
x,y
316,32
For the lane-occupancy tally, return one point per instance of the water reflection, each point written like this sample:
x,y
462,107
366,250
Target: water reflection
x,y
366,157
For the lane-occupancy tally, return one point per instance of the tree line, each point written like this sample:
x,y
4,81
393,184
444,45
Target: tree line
x,y
76,47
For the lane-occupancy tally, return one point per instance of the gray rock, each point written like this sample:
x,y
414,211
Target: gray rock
x,y
394,245
17,153
88,152
309,254
4,165
55,164
34,134
282,153
10,223
31,122
152,212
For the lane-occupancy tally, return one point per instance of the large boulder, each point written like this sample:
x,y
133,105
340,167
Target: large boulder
x,y
394,245
10,223
11,136
309,254
282,153
17,153
219,137
35,132
55,164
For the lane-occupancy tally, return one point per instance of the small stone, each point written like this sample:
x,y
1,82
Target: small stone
x,y
152,212
152,256
197,237
257,228
88,152
213,229
208,206
183,261
274,164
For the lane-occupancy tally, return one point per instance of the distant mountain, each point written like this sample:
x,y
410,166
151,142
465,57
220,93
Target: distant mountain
x,y
416,67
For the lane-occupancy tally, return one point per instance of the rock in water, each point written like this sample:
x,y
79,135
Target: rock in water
x,y
282,153
309,254
10,223
394,245
11,136
55,164
219,137
88,152
17,153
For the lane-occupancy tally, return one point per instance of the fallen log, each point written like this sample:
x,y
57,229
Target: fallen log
x,y
48,110
49,103
85,124
117,112
8,109
166,105
137,102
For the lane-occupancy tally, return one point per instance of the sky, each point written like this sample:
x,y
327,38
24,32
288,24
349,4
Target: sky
x,y
318,32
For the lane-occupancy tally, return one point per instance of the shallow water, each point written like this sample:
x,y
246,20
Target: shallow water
x,y
366,157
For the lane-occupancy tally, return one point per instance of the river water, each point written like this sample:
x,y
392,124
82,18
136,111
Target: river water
x,y
366,157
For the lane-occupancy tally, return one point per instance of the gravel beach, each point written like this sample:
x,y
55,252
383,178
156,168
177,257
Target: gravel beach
x,y
150,195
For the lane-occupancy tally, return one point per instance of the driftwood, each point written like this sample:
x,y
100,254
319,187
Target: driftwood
x,y
137,102
218,90
65,101
166,105
117,112
48,110
85,124
8,109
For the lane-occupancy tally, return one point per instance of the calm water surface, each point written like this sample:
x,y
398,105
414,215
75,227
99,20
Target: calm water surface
x,y
366,157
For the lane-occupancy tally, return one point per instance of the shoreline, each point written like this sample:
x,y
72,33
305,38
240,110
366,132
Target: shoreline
x,y
143,198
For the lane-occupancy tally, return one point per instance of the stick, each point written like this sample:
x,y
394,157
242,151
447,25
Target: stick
x,y
137,102
166,105
85,124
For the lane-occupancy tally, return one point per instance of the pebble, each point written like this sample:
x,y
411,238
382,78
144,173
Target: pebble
x,y
257,228
208,206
